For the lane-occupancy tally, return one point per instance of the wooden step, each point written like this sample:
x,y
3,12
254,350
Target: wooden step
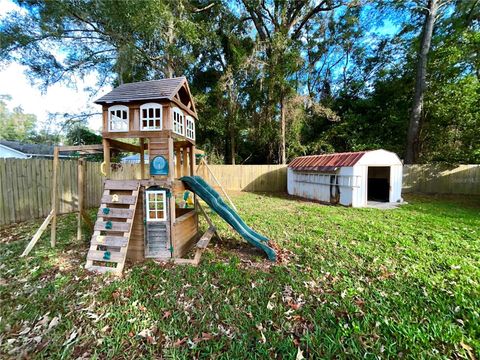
x,y
121,185
122,199
117,244
116,213
97,255
115,241
116,226
102,269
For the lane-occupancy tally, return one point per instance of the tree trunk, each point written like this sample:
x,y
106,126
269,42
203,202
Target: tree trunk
x,y
283,152
232,145
168,59
420,83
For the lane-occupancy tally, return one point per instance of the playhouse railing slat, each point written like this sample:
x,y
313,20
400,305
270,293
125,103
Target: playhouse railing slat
x,y
98,255
116,213
114,241
116,226
122,199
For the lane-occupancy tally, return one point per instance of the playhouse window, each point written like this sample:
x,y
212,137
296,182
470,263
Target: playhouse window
x,y
118,118
178,118
156,205
151,116
190,127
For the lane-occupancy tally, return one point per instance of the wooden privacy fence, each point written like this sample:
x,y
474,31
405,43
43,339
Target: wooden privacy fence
x,y
255,178
441,179
26,185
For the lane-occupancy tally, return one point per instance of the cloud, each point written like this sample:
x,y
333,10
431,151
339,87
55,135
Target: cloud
x,y
7,6
58,98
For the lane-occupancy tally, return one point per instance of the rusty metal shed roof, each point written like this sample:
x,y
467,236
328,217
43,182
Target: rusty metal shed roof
x,y
326,162
144,90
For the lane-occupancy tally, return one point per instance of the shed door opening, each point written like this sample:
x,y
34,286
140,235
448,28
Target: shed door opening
x,y
378,183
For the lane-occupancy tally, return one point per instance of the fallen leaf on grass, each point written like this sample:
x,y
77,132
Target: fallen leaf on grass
x,y
299,355
263,339
270,306
44,320
294,306
148,335
145,333
54,322
468,349
105,328
204,337
359,302
179,342
71,338
166,314
25,331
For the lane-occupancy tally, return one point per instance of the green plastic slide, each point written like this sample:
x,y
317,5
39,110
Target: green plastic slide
x,y
216,203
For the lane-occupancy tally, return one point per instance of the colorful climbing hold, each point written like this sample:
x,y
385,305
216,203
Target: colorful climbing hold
x,y
100,239
108,225
106,255
114,198
106,211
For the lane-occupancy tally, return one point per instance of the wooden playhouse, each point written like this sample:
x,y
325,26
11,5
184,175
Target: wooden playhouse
x,y
155,216
151,217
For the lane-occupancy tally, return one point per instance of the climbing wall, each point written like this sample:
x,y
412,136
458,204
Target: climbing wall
x,y
109,244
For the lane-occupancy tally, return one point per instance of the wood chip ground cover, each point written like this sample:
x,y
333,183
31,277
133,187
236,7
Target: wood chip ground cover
x,y
354,283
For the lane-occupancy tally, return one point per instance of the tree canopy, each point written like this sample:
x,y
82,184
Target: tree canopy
x,y
275,79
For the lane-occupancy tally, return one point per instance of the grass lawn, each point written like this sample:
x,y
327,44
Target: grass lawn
x,y
355,283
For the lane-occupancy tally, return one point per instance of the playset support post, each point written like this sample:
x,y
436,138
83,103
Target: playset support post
x,y
142,158
52,216
204,163
53,233
106,156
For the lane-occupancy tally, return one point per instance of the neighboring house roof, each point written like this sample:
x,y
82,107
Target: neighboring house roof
x,y
144,90
8,152
28,149
327,162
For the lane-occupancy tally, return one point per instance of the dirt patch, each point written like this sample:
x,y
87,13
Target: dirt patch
x,y
250,256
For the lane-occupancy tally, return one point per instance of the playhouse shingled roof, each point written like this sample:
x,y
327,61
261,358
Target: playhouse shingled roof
x,y
326,162
144,90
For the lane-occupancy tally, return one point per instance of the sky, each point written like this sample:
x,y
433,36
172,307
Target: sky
x,y
58,98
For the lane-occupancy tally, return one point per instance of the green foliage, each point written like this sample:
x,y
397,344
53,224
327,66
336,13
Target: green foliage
x,y
352,64
79,134
15,125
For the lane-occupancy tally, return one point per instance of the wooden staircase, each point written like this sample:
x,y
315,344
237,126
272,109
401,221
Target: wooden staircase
x,y
109,244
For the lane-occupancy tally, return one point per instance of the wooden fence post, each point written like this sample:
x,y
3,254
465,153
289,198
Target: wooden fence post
x,y
81,187
53,233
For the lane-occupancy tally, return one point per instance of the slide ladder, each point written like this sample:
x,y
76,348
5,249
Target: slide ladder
x,y
216,203
109,244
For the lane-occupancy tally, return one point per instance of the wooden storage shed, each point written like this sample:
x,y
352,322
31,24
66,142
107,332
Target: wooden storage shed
x,y
349,179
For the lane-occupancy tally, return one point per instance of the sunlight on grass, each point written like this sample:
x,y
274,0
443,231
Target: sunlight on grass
x,y
358,283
